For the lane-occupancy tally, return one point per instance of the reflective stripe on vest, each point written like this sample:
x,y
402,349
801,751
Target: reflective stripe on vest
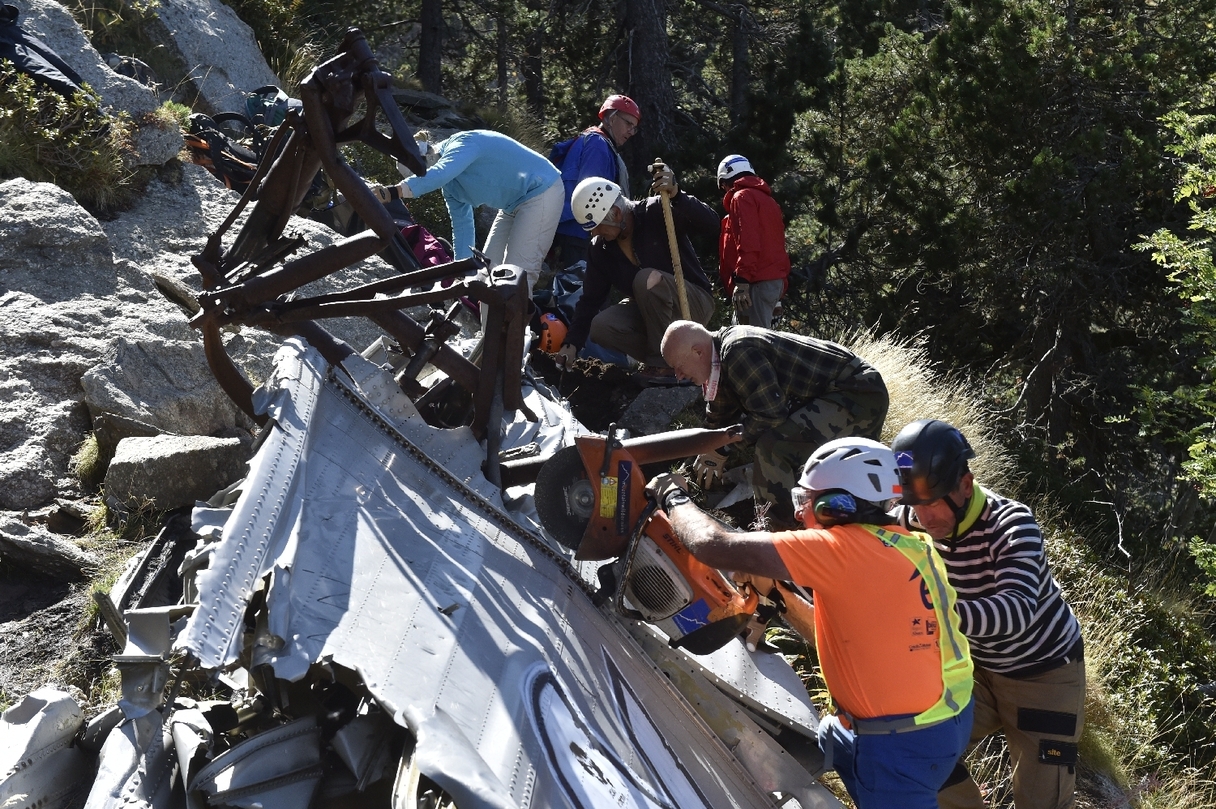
x,y
957,668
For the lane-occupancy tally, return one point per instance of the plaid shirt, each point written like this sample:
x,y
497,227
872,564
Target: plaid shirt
x,y
766,375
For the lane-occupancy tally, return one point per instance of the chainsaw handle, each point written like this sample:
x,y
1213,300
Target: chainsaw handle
x,y
677,444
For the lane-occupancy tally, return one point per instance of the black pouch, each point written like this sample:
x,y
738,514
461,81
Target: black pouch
x,y
1057,723
1062,754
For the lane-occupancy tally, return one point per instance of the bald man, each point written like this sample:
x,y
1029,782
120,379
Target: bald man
x,y
792,394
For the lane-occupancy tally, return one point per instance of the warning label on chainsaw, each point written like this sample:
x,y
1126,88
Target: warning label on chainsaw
x,y
624,471
607,496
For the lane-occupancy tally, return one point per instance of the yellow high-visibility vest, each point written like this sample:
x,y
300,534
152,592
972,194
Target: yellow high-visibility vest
x,y
957,668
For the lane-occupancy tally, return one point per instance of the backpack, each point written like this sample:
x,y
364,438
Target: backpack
x,y
210,146
267,106
557,155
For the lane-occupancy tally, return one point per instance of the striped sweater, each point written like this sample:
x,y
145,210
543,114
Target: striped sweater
x,y
1012,610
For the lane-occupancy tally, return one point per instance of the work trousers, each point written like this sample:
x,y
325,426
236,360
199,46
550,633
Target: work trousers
x,y
522,237
781,452
765,295
1042,718
635,326
895,770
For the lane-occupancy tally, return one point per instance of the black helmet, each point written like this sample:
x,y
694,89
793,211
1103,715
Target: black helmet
x,y
932,458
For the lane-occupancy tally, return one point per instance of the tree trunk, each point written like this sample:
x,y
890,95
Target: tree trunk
x,y
532,69
740,67
503,52
430,47
645,73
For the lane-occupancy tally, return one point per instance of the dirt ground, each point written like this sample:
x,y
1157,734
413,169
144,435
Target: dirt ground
x,y
38,623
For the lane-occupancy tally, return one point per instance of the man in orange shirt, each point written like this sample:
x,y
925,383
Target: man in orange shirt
x,y
893,657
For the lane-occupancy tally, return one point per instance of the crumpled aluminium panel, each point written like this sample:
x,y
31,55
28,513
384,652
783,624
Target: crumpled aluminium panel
x,y
39,764
390,555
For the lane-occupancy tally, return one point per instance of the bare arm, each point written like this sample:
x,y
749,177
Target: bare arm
x,y
718,546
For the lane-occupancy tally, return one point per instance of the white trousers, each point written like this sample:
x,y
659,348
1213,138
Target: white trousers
x,y
523,236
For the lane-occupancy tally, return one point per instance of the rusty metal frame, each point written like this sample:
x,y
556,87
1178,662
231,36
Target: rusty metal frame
x,y
249,282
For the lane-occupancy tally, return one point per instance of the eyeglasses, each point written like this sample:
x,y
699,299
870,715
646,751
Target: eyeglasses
x,y
630,127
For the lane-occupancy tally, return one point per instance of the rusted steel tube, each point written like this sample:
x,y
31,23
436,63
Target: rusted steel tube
x,y
294,274
411,334
645,449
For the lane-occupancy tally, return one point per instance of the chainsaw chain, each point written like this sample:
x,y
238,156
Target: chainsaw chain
x,y
483,505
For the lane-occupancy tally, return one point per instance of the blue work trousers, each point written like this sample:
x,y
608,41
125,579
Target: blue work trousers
x,y
895,770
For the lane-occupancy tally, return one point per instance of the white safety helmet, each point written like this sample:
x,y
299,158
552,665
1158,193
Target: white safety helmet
x,y
862,467
592,199
732,166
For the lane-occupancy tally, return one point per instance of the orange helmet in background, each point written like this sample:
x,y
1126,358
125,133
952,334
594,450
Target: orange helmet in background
x,y
552,333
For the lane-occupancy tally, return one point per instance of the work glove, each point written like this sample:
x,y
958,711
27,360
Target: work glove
x,y
742,297
707,469
664,180
667,486
566,355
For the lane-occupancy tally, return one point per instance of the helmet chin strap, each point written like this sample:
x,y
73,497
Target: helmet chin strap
x,y
960,511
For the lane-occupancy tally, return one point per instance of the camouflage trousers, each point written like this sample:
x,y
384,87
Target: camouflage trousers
x,y
782,451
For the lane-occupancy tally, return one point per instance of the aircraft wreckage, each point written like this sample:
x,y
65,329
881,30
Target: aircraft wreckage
x,y
434,588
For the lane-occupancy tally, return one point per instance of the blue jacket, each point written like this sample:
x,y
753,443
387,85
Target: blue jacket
x,y
479,167
591,155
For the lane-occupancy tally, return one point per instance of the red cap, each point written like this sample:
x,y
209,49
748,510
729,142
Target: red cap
x,y
623,104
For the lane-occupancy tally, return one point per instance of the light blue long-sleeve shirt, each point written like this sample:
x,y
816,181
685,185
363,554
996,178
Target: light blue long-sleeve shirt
x,y
479,167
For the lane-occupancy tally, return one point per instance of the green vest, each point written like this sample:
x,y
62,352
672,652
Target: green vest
x,y
957,669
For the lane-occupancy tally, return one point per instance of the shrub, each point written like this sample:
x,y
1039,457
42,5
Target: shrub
x,y
45,137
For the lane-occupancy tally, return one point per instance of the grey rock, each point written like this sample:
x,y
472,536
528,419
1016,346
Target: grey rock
x,y
162,383
221,56
654,408
156,142
109,429
53,24
34,548
42,228
420,103
173,470
70,286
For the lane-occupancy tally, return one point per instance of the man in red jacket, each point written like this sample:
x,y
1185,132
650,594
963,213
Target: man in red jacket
x,y
754,266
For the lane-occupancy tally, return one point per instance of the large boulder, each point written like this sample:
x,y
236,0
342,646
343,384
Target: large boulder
x,y
33,547
224,61
164,383
173,470
655,408
155,142
70,286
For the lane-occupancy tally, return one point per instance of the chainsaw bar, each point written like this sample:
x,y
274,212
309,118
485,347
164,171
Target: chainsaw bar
x,y
565,497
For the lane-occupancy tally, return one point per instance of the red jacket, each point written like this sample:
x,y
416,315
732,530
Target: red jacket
x,y
752,243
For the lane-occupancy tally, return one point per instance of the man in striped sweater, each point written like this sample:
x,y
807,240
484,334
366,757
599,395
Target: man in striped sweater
x,y
1025,639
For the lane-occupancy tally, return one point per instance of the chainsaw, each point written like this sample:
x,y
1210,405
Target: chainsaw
x,y
591,497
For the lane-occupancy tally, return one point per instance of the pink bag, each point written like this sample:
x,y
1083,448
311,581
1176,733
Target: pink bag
x,y
427,249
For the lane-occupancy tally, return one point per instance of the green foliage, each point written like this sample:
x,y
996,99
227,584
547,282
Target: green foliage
x,y
1182,403
173,113
45,137
88,463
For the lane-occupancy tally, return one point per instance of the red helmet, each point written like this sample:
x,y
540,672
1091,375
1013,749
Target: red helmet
x,y
623,104
552,333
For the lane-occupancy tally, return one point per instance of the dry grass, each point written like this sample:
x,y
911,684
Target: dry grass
x,y
919,391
